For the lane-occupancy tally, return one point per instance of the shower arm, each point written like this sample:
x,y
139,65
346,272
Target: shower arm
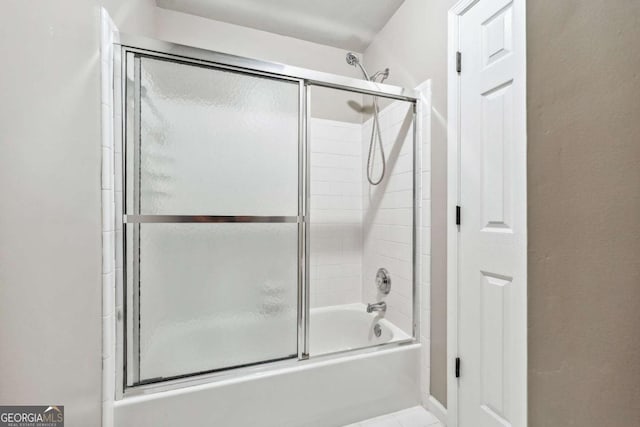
x,y
384,73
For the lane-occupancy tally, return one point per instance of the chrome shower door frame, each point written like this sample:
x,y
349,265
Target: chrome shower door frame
x,y
129,51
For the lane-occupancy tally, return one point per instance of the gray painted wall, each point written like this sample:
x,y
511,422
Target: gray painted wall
x,y
584,209
50,227
413,45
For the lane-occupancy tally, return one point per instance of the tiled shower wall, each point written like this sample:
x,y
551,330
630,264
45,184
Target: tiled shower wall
x,y
388,213
336,212
357,228
388,220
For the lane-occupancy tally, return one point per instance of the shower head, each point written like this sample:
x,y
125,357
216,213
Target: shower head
x,y
352,59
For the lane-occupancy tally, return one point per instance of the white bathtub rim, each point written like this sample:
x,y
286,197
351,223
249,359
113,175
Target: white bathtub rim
x,y
398,335
358,306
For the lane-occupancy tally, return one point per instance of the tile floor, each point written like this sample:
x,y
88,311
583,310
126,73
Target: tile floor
x,y
411,417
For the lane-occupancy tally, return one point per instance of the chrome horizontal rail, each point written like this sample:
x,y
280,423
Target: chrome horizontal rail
x,y
159,219
159,48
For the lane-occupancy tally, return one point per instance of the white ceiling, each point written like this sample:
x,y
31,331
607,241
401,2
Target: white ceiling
x,y
347,24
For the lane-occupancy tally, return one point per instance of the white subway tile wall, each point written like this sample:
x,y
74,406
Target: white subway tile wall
x,y
388,213
336,212
388,219
358,228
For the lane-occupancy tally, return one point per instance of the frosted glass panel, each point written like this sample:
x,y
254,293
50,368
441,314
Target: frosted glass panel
x,y
216,142
214,296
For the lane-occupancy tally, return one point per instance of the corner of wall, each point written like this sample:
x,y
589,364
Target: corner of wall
x,y
109,35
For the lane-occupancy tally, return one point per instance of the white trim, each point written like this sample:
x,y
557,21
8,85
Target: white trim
x,y
437,409
423,239
453,197
109,189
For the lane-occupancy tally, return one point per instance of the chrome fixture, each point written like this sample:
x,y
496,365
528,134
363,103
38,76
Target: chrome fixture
x,y
379,307
168,219
383,281
377,330
352,59
382,73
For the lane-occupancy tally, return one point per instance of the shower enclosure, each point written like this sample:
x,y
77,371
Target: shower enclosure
x,y
240,207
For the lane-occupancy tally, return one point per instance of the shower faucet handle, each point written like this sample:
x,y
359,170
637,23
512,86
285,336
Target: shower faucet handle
x,y
383,281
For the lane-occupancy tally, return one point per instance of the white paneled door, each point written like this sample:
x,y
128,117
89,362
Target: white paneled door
x,y
492,234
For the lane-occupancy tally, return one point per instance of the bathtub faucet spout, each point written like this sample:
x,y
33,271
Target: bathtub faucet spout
x,y
379,306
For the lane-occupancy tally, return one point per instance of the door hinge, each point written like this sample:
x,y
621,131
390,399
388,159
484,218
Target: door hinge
x,y
459,62
457,215
457,367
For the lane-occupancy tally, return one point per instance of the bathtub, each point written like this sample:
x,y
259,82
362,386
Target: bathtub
x,y
327,390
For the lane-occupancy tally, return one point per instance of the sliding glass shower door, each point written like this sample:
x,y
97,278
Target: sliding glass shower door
x,y
212,218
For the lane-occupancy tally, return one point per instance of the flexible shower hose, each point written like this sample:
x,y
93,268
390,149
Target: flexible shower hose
x,y
375,130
